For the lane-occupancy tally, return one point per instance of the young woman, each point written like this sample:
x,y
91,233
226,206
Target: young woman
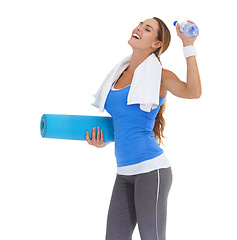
x,y
144,175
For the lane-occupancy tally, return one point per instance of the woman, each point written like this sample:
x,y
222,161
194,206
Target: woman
x,y
144,174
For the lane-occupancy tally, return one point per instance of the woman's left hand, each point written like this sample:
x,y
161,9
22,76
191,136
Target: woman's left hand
x,y
187,41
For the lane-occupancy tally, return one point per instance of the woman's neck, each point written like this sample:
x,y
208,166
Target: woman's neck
x,y
136,60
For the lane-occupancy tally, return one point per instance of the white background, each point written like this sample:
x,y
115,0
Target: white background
x,y
54,55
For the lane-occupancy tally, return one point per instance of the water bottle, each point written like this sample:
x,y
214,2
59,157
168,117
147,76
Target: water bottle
x,y
188,28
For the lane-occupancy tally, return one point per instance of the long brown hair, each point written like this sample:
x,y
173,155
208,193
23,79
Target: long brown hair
x,y
165,37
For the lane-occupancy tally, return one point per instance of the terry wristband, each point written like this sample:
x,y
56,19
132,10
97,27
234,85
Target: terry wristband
x,y
189,51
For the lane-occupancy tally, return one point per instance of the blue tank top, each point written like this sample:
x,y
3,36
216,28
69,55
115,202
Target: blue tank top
x,y
133,129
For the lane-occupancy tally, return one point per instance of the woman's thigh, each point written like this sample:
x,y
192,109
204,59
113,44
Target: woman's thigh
x,y
121,219
151,193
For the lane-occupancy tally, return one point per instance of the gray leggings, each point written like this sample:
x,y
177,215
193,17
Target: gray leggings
x,y
139,199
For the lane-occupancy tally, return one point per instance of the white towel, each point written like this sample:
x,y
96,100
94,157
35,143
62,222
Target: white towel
x,y
145,86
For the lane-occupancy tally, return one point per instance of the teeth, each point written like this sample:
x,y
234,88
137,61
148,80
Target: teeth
x,y
136,36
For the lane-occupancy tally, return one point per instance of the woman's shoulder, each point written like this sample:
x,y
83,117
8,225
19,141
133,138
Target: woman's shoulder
x,y
166,74
169,80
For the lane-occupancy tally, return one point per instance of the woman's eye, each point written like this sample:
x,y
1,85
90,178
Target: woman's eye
x,y
147,29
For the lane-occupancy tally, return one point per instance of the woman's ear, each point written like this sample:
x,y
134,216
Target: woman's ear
x,y
157,44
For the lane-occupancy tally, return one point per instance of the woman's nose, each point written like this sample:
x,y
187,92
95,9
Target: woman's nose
x,y
139,28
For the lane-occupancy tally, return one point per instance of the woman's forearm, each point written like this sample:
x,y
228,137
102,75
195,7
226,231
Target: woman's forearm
x,y
193,79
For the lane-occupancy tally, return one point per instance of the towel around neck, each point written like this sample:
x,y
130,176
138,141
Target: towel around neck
x,y
145,86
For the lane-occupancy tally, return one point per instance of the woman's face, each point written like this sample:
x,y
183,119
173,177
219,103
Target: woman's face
x,y
144,36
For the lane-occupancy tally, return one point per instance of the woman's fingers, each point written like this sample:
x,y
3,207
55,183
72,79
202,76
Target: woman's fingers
x,y
191,22
98,135
178,27
97,139
100,141
93,136
102,136
87,138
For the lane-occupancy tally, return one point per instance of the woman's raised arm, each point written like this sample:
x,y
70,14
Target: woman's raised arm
x,y
192,88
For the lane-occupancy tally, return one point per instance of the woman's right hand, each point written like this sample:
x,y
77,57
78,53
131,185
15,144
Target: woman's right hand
x,y
97,142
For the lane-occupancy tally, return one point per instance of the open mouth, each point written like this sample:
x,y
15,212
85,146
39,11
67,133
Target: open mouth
x,y
136,36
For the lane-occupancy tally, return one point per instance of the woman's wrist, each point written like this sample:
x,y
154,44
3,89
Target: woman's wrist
x,y
189,51
185,44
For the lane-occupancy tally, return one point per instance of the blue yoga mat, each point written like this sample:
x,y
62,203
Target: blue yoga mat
x,y
74,127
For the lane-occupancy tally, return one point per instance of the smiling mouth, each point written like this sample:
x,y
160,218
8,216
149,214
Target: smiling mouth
x,y
136,36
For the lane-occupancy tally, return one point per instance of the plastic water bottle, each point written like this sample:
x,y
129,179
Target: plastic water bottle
x,y
188,28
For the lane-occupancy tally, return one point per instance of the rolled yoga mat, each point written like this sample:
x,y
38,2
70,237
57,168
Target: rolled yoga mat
x,y
74,127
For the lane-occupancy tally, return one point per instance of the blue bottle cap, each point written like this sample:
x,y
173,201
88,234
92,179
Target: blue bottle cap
x,y
175,23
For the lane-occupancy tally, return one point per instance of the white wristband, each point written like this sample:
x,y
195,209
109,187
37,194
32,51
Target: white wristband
x,y
189,51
